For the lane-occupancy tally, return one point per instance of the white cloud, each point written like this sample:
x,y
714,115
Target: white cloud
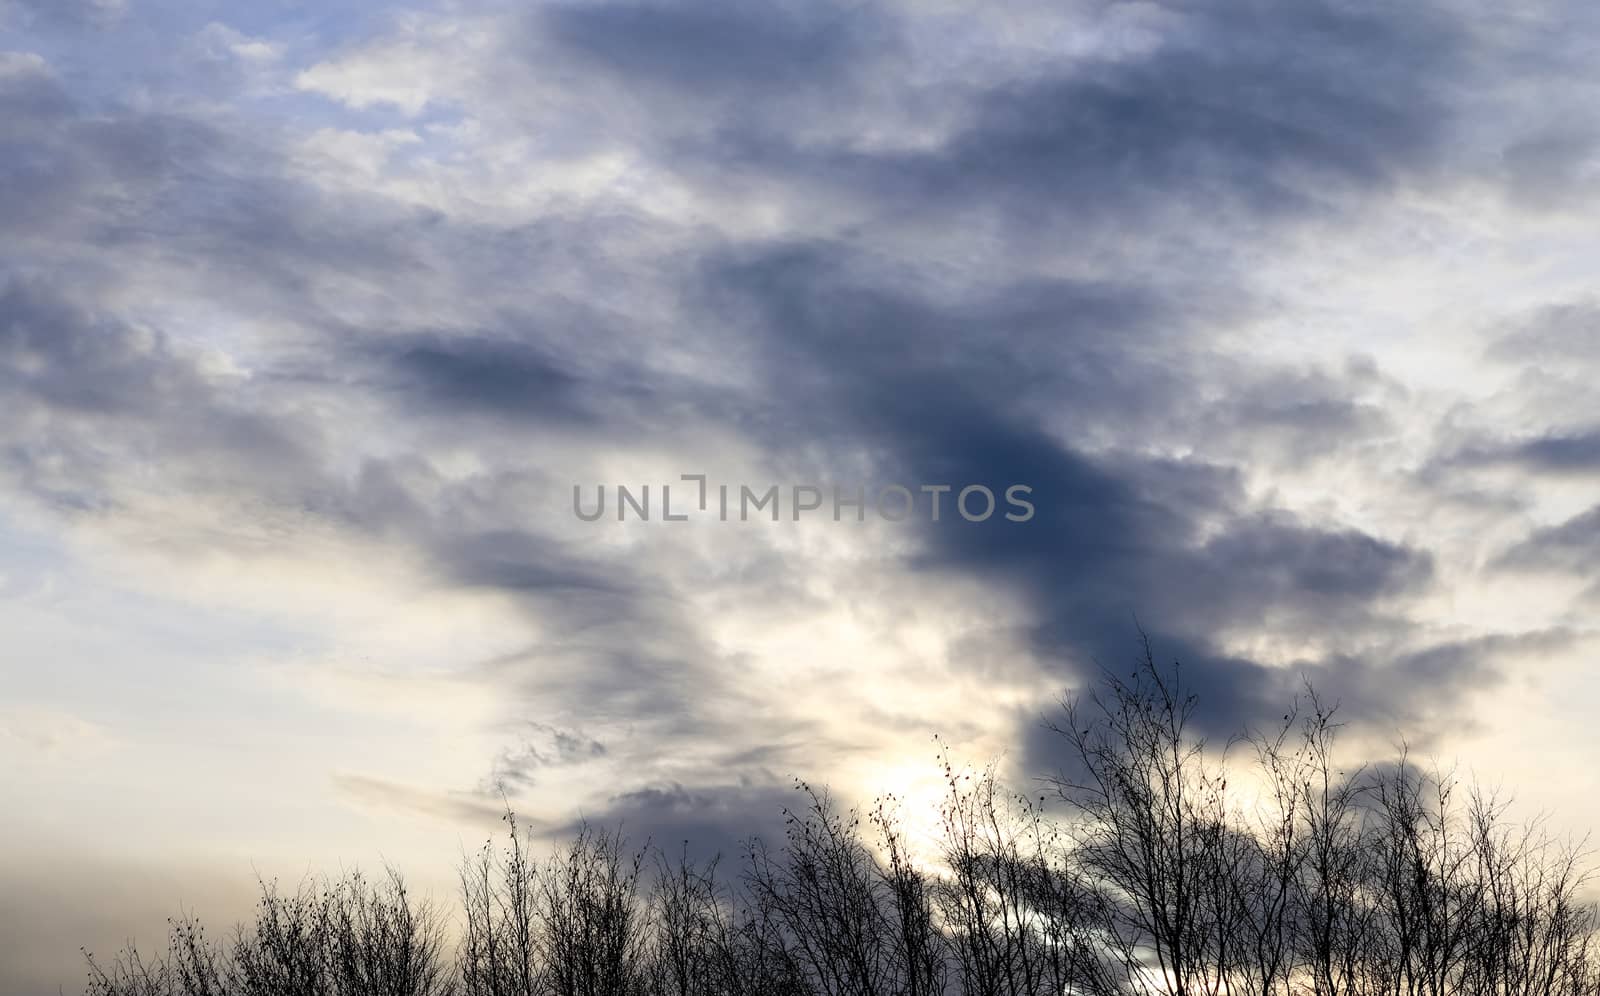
x,y
220,41
425,61
22,65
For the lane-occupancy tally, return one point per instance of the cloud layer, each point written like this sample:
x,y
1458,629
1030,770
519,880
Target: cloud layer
x,y
309,326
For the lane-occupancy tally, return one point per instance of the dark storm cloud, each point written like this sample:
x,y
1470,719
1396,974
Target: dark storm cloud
x,y
1366,686
1575,452
528,378
701,822
1376,690
937,397
1205,116
1298,417
708,48
1269,557
1257,107
845,338
1089,575
64,356
1551,453
466,374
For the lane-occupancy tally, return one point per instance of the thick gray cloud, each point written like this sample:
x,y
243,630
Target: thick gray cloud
x,y
1553,452
848,344
946,397
704,49
1566,332
1258,108
87,393
712,821
1573,545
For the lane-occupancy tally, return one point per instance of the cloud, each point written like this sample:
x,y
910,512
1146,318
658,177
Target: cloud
x,y
77,382
1546,171
66,358
1200,115
1171,540
337,345
74,14
453,807
705,48
1384,698
1552,453
857,349
1556,333
701,823
1572,545
463,374
543,746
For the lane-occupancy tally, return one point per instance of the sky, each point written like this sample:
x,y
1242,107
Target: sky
x,y
313,315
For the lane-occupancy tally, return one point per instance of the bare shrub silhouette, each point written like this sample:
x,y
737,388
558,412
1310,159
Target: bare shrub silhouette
x,y
692,945
1171,869
347,937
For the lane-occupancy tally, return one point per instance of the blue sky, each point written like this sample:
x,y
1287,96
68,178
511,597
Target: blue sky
x,y
312,315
